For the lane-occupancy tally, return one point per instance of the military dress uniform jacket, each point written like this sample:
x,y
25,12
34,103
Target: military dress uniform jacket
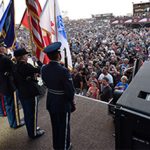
x,y
25,76
60,87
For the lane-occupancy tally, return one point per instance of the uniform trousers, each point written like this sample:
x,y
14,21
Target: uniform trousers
x,y
30,108
61,130
10,110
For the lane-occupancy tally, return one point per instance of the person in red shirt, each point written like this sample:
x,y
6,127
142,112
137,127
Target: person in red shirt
x,y
93,90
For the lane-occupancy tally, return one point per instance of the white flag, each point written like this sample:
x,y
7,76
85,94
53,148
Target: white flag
x,y
45,17
51,20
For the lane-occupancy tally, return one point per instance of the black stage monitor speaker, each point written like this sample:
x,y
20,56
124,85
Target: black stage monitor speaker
x,y
132,117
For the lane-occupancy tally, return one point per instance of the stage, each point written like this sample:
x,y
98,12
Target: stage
x,y
91,129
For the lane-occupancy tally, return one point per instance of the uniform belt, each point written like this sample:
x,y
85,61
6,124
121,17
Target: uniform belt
x,y
56,92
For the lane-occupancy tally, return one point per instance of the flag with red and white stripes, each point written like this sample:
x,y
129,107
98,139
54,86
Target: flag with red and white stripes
x,y
34,11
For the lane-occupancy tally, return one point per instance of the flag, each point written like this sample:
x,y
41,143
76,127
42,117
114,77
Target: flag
x,y
46,13
24,20
1,8
4,15
34,11
7,25
51,20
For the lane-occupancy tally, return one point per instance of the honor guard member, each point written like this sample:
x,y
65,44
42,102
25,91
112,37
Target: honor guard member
x,y
8,89
60,97
25,79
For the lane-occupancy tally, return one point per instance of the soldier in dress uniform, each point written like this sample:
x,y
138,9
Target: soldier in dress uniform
x,y
25,77
8,90
60,97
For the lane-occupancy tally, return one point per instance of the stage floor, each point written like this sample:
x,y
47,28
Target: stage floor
x,y
91,129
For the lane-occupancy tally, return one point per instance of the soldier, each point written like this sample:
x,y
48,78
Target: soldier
x,y
25,79
60,97
7,88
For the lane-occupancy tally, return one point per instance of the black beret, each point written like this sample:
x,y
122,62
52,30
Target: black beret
x,y
20,52
54,47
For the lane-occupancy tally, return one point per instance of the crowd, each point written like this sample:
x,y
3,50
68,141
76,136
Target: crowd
x,y
23,38
101,50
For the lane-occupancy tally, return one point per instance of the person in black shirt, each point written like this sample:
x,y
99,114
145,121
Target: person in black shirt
x,y
78,81
106,93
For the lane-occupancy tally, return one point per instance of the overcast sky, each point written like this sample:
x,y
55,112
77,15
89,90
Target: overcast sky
x,y
84,8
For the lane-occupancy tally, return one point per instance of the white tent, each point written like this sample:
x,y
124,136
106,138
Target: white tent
x,y
128,21
115,22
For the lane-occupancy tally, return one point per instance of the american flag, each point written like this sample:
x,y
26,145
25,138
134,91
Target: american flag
x,y
34,11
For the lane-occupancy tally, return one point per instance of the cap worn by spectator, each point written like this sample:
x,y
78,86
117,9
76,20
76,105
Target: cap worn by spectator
x,y
52,48
20,52
124,78
93,74
106,79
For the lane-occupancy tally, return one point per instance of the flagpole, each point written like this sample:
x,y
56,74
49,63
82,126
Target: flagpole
x,y
55,21
3,4
13,45
31,39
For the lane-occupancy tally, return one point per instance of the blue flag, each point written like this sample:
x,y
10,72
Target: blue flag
x,y
7,25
